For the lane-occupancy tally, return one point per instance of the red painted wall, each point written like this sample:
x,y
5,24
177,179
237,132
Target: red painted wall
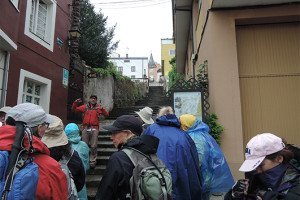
x,y
35,58
8,11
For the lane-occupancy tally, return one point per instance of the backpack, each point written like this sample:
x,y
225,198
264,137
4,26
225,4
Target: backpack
x,y
151,180
72,191
18,173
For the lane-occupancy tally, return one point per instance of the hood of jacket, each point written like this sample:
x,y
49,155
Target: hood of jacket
x,y
72,132
168,120
147,144
199,126
7,137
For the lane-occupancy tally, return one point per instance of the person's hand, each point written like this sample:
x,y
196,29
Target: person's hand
x,y
78,100
240,188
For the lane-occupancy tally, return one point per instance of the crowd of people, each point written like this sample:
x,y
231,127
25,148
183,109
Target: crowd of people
x,y
182,144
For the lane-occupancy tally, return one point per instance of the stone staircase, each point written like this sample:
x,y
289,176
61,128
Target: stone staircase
x,y
105,149
155,100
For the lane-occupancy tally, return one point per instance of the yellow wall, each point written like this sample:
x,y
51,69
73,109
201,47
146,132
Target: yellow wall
x,y
165,48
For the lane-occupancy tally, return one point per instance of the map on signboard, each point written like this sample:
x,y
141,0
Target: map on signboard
x,y
188,103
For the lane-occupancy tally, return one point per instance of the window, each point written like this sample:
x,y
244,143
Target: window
x,y
120,69
172,52
31,92
126,60
34,89
132,76
38,18
40,21
132,68
15,3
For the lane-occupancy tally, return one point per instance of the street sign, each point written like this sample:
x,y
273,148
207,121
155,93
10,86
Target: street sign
x,y
65,80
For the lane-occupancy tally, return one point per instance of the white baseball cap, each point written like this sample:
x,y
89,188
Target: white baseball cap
x,y
258,148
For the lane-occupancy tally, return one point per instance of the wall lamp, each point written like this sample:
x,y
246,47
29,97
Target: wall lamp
x,y
74,34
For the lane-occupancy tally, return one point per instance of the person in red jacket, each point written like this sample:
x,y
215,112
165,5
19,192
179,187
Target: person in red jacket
x,y
52,182
91,112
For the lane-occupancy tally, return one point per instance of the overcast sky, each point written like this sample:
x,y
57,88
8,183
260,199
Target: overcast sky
x,y
140,24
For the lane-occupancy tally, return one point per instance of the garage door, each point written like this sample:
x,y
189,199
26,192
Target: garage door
x,y
269,74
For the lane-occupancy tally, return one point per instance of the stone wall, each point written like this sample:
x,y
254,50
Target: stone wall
x,y
103,87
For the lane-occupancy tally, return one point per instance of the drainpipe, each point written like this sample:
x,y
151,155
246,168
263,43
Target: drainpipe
x,y
193,45
4,81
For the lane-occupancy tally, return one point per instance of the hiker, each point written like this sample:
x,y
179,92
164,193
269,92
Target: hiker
x,y
3,112
215,173
61,150
178,151
52,182
91,112
82,148
145,115
271,171
115,183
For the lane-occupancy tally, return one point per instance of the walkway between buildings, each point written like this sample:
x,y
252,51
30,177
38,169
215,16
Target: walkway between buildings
x,y
155,99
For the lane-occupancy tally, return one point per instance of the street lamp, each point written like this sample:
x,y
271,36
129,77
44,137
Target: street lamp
x,y
74,34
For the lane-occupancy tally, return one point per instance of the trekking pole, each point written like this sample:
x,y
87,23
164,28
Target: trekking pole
x,y
13,157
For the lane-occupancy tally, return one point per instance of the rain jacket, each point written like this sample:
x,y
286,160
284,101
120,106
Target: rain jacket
x,y
52,183
72,131
215,173
90,114
178,151
115,183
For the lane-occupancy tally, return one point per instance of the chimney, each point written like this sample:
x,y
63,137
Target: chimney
x,y
126,55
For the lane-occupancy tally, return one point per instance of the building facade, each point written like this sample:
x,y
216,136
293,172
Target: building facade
x,y
132,67
167,53
33,44
252,53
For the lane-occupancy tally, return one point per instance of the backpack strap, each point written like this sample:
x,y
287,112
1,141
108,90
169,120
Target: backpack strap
x,y
17,158
130,151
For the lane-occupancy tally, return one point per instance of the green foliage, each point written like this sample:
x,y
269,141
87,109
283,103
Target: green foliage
x,y
202,70
128,92
216,129
173,74
111,70
95,42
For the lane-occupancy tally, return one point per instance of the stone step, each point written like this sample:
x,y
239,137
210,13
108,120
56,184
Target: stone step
x,y
105,144
98,170
102,160
105,137
92,180
106,151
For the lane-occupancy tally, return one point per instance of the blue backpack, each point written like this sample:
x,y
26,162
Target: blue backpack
x,y
21,181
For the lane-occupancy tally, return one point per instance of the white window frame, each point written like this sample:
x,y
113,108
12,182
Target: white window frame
x,y
15,3
33,95
48,40
45,88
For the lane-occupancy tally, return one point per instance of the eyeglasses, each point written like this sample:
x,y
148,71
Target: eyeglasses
x,y
46,124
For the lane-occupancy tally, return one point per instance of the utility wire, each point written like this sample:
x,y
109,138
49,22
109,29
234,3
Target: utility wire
x,y
126,2
135,6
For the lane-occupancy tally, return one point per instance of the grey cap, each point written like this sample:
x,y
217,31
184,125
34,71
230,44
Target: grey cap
x,y
33,115
5,109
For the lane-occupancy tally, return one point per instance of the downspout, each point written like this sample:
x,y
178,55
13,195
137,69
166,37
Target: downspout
x,y
5,79
193,45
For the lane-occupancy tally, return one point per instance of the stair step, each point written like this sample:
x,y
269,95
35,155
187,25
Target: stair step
x,y
98,170
105,144
106,151
92,180
105,137
102,160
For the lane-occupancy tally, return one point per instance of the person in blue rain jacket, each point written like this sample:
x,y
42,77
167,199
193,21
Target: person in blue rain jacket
x,y
72,131
215,173
178,151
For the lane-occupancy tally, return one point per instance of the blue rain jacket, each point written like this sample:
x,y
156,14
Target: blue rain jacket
x,y
215,173
178,151
72,131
